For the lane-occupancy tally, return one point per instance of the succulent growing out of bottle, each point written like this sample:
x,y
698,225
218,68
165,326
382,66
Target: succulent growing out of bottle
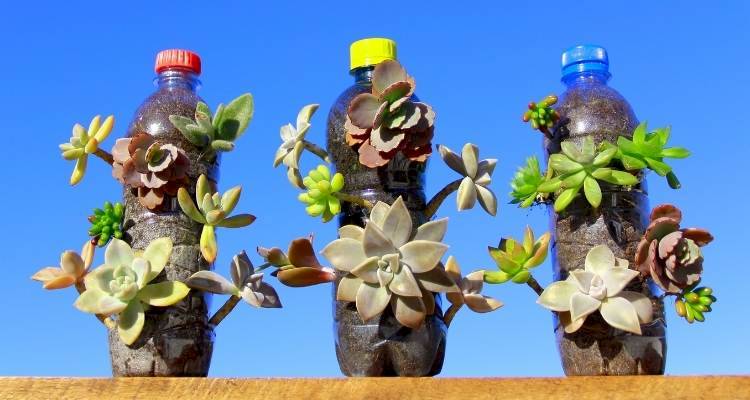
x,y
85,142
647,150
217,132
516,259
321,196
477,176
152,168
541,115
387,121
121,287
669,255
299,267
72,270
213,211
106,223
293,143
599,287
578,169
246,283
526,182
386,265
693,304
470,292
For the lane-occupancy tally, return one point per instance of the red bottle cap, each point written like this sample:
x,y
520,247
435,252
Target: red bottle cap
x,y
177,58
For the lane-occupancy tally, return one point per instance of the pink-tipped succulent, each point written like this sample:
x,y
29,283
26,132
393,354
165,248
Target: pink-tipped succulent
x,y
73,269
387,121
670,255
153,168
299,267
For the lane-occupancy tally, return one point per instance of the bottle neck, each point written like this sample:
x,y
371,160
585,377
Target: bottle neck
x,y
177,78
363,75
584,77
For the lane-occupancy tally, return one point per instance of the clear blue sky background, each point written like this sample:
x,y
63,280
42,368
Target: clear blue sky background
x,y
679,63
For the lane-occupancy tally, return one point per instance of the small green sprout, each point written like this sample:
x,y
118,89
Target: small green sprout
x,y
216,133
515,259
213,210
692,304
582,168
647,150
321,196
541,115
106,223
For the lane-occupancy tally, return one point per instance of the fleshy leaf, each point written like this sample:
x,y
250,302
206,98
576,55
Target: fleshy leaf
x,y
130,323
163,294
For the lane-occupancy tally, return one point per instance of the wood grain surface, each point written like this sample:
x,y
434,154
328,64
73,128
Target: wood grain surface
x,y
578,388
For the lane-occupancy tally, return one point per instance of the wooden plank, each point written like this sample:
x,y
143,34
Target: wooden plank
x,y
574,388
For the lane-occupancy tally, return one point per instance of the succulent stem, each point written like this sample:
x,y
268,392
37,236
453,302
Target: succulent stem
x,y
317,150
104,156
262,267
224,311
451,313
533,284
438,198
102,318
353,199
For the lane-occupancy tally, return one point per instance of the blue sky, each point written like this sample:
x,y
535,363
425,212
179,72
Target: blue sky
x,y
678,63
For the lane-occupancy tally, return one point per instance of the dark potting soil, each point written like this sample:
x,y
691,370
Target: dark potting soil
x,y
598,111
176,340
380,346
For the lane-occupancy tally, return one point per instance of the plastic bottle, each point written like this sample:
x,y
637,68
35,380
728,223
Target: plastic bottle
x,y
380,346
591,108
176,340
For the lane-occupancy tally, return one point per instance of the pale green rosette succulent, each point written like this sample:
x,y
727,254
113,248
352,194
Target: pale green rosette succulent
x,y
599,287
386,265
213,210
121,287
477,177
85,142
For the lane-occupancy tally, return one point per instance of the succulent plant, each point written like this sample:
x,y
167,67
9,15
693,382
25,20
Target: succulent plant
x,y
386,264
299,267
152,168
542,116
321,193
213,210
526,182
647,150
387,121
106,223
245,283
293,143
515,259
599,287
73,268
85,142
218,132
693,304
121,287
669,255
470,289
477,177
582,168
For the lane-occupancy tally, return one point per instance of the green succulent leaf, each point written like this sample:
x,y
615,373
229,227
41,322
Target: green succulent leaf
x,y
188,207
235,118
496,277
565,198
592,191
163,294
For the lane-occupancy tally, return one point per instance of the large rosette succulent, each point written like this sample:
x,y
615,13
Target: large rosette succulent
x,y
386,264
153,168
670,255
386,121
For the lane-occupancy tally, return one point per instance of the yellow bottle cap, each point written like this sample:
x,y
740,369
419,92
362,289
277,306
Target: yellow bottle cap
x,y
371,51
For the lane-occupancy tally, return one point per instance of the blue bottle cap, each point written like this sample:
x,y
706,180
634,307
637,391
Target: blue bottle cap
x,y
584,58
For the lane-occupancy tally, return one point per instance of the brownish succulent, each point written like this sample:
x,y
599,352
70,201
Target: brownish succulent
x,y
387,121
670,255
299,267
152,168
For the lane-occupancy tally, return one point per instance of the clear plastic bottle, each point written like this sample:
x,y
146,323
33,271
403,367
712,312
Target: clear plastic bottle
x,y
380,346
176,340
591,108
